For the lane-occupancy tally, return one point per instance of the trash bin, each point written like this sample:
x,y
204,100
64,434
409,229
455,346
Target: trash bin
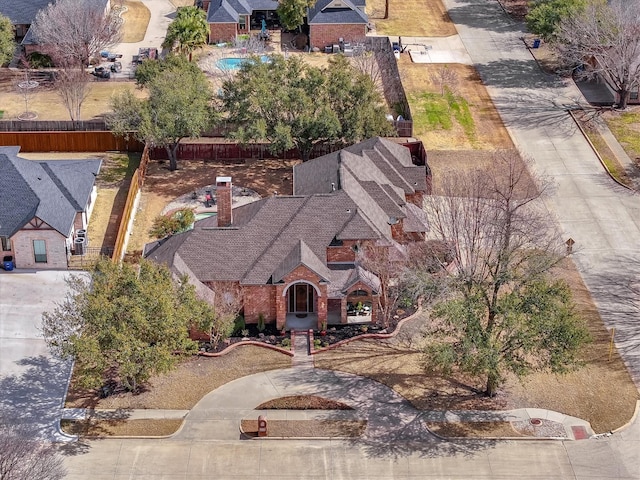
x,y
536,43
7,263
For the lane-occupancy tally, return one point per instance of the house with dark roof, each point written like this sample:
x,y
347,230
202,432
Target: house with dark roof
x,y
22,14
328,21
295,256
44,206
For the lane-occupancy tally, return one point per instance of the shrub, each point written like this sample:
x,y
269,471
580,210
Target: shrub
x,y
261,325
179,221
238,325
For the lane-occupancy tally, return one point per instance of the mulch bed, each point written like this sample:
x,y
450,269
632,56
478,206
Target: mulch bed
x,y
498,429
303,402
123,428
307,428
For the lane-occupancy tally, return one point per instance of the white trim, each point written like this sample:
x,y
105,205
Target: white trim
x,y
286,289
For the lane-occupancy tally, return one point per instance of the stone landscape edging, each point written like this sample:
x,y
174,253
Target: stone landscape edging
x,y
364,335
247,342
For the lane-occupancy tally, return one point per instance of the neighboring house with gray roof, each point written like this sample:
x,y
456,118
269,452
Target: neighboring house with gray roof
x,y
43,205
295,256
22,13
328,21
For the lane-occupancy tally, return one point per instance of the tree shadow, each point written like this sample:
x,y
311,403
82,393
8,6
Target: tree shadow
x,y
37,394
616,291
394,429
515,73
484,15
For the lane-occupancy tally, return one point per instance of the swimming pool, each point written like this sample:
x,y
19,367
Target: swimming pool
x,y
201,216
232,63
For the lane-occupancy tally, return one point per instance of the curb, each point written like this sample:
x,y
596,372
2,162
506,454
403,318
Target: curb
x,y
575,120
631,420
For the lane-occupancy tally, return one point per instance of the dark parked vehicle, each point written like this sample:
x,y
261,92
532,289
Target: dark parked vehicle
x,y
101,72
116,67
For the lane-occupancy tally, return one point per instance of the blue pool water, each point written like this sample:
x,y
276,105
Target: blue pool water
x,y
236,63
202,216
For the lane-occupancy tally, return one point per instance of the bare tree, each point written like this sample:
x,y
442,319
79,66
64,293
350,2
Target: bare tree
x,y
72,85
227,304
500,311
604,40
73,32
386,262
22,456
446,79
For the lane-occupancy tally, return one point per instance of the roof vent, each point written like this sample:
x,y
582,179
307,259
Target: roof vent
x,y
392,221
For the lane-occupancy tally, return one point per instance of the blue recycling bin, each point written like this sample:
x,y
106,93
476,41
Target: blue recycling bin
x,y
536,43
7,263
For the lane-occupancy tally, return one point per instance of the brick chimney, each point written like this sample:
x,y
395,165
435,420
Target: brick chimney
x,y
223,200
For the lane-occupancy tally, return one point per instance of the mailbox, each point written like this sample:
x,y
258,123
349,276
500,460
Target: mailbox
x,y
262,426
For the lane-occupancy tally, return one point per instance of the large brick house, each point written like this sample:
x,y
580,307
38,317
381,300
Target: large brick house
x,y
328,21
43,206
295,256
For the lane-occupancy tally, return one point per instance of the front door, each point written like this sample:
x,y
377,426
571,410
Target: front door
x,y
301,298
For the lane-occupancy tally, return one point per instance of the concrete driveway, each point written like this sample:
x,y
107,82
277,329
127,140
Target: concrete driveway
x,y
32,383
162,14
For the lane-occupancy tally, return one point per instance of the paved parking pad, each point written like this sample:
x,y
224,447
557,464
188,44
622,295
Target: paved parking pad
x,y
32,383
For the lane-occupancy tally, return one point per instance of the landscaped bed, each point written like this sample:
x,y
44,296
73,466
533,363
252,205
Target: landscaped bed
x,y
544,429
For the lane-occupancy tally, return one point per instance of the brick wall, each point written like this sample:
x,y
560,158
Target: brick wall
x,y
298,274
343,253
55,248
416,198
222,32
328,34
259,299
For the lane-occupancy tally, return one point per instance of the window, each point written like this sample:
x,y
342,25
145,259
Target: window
x,y
40,251
243,22
6,243
359,293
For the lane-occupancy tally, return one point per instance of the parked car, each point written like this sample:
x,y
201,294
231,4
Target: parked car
x,y
116,67
101,72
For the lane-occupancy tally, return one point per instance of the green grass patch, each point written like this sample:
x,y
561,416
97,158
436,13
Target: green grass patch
x,y
626,128
435,111
118,166
1,113
607,156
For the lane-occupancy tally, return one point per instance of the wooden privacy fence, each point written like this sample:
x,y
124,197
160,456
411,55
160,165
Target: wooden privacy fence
x,y
126,219
52,125
234,153
60,141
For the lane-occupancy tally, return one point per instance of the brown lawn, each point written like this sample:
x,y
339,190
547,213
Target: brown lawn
x,y
412,18
136,19
602,392
489,129
182,388
48,105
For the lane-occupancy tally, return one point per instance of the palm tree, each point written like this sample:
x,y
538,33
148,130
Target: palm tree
x,y
188,32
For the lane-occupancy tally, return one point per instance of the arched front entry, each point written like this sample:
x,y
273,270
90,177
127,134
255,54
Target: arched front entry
x,y
303,302
301,298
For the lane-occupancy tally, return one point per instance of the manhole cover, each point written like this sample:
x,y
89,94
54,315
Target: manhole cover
x,y
535,421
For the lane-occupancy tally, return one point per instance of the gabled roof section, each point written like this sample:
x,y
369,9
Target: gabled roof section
x,y
337,12
416,220
301,254
19,202
62,188
22,12
359,274
229,11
